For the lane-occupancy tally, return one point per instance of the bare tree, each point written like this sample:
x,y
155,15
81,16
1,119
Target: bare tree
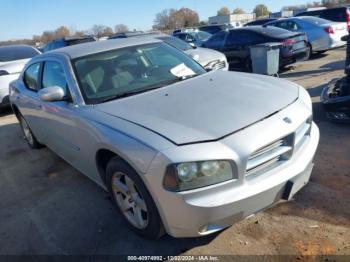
x,y
62,32
169,19
238,11
261,10
224,11
47,36
121,28
101,30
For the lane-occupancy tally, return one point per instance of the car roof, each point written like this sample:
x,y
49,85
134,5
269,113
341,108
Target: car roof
x,y
16,47
85,49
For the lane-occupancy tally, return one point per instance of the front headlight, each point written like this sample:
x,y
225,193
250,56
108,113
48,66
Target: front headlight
x,y
305,97
191,175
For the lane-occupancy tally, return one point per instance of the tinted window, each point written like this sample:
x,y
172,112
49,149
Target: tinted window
x,y
237,37
106,75
211,29
216,40
175,42
288,25
203,36
53,75
315,20
12,53
333,14
31,76
80,41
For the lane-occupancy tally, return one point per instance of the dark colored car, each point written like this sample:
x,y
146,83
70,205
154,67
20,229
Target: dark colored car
x,y
67,41
260,21
335,98
213,29
236,43
338,14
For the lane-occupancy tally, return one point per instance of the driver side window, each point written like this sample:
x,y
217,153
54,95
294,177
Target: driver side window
x,y
53,75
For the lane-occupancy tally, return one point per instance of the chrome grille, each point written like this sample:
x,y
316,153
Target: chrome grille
x,y
302,133
215,65
269,155
274,154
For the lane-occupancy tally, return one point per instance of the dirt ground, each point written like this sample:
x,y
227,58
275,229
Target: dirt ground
x,y
47,207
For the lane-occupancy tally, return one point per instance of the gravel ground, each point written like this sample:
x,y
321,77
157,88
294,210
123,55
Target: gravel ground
x,y
47,207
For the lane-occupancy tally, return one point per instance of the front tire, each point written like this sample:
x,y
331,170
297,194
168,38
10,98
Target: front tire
x,y
28,134
133,200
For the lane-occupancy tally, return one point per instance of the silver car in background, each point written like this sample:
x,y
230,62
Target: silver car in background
x,y
210,59
12,60
180,150
322,34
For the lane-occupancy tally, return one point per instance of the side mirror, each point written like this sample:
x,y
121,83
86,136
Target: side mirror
x,y
345,38
52,93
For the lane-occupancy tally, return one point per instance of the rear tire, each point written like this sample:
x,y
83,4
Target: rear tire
x,y
308,52
28,134
133,200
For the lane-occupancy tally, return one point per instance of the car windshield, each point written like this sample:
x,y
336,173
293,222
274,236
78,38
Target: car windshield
x,y
13,53
176,42
203,36
315,20
128,71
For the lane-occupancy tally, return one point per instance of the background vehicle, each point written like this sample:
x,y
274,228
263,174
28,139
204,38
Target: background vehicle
x,y
208,58
213,29
196,38
236,42
12,60
161,130
322,34
261,21
68,41
338,14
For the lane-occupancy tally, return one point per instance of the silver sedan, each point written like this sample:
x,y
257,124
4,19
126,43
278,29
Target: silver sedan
x,y
12,61
180,150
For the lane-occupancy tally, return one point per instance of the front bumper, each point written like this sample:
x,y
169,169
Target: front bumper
x,y
206,210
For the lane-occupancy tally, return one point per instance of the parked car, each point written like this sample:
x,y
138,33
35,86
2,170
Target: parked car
x,y
335,98
67,41
180,150
338,14
208,58
12,60
260,21
196,38
213,29
322,34
236,43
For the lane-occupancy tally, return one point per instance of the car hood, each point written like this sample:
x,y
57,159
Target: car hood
x,y
14,67
204,55
205,108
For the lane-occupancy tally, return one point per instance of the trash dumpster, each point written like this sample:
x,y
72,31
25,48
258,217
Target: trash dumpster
x,y
265,58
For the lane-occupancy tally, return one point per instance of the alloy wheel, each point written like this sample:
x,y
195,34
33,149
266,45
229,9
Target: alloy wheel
x,y
130,200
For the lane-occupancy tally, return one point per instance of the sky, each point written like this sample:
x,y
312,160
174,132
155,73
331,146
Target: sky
x,y
24,18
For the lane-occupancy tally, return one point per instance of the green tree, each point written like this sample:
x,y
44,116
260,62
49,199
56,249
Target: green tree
x,y
224,11
238,11
261,10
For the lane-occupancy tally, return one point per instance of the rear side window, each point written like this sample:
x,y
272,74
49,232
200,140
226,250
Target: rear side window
x,y
244,37
53,75
13,53
31,76
216,40
288,25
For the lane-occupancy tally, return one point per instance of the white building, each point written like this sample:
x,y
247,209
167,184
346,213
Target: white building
x,y
231,19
